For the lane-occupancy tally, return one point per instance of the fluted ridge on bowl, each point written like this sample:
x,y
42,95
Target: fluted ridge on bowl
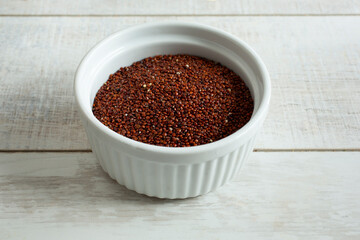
x,y
183,180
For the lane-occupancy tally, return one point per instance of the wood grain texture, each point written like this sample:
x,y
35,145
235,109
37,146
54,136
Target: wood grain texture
x,y
314,64
276,196
169,7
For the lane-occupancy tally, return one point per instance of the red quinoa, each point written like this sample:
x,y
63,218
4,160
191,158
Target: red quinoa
x,y
174,100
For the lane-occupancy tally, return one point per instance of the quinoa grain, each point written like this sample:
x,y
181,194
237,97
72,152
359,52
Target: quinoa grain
x,y
163,101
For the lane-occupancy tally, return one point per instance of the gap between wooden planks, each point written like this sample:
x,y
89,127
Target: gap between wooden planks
x,y
183,15
255,150
169,7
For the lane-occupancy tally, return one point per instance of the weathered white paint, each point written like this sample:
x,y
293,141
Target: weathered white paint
x,y
314,63
308,195
169,7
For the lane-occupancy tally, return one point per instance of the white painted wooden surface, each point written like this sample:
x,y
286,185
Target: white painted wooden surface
x,y
314,63
170,7
308,195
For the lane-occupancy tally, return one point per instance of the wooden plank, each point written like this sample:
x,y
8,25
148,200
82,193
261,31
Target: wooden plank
x,y
276,196
314,64
168,7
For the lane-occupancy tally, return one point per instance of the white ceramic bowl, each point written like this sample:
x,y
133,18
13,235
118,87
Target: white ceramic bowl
x,y
169,172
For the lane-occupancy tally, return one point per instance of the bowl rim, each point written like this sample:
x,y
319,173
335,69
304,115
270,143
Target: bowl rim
x,y
255,120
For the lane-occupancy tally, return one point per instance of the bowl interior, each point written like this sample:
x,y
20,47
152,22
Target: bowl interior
x,y
128,46
127,56
117,52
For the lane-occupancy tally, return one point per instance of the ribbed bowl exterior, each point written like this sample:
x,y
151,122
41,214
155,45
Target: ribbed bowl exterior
x,y
164,180
167,172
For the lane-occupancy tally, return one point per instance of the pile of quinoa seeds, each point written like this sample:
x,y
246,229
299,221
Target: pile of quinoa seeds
x,y
174,101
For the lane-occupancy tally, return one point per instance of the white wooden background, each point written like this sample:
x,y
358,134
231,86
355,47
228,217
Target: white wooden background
x,y
302,181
